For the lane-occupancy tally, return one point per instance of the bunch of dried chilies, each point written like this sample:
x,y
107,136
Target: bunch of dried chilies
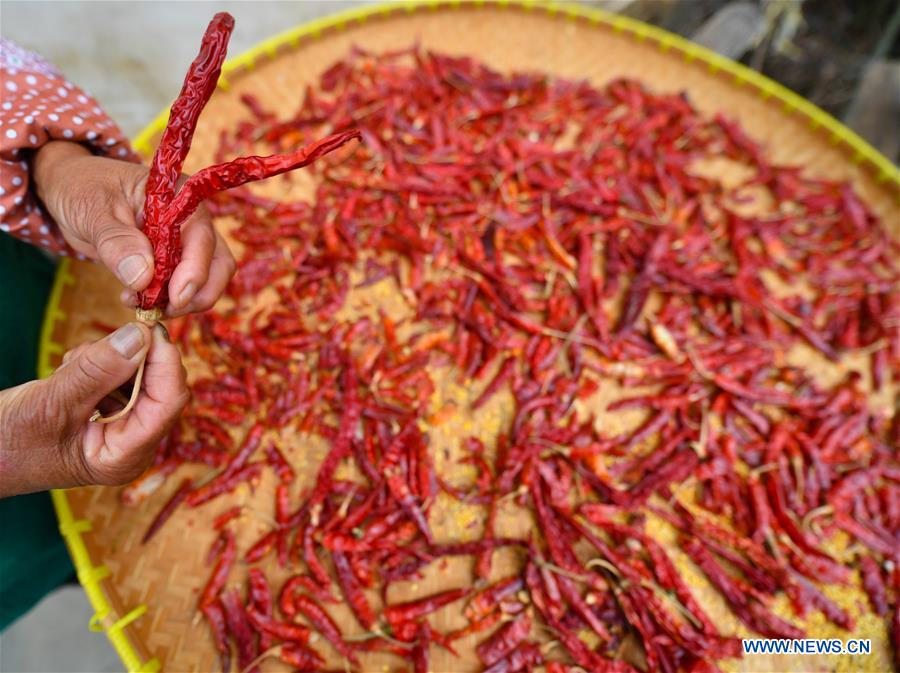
x,y
167,206
546,241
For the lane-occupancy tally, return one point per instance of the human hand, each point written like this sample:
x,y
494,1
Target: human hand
x,y
46,437
96,202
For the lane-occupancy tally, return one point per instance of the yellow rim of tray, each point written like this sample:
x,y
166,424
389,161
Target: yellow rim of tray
x,y
90,575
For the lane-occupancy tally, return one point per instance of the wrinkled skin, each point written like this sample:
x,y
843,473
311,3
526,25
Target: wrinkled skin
x,y
46,437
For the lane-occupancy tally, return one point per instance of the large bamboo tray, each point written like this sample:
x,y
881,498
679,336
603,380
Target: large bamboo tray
x,y
145,597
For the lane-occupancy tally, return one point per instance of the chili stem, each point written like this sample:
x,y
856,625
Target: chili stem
x,y
149,317
97,417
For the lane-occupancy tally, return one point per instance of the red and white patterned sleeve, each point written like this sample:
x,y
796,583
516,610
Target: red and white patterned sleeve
x,y
39,105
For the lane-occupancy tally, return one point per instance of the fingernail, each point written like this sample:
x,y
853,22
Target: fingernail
x,y
129,298
131,268
127,340
165,332
187,293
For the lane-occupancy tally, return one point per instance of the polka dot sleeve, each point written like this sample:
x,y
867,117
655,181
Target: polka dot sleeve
x,y
40,105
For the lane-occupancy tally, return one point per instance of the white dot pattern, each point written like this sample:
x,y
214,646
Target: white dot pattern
x,y
39,105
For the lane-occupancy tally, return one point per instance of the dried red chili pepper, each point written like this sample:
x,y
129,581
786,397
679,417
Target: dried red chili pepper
x,y
503,375
504,641
239,627
487,600
224,483
259,608
324,624
299,656
738,595
352,591
874,585
521,658
220,572
228,515
215,616
420,653
261,547
164,208
268,628
485,623
282,468
413,610
165,169
294,585
208,181
167,510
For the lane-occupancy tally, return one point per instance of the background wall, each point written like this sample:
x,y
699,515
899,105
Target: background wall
x,y
132,56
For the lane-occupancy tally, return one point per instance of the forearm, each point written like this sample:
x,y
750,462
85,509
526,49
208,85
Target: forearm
x,y
41,108
51,164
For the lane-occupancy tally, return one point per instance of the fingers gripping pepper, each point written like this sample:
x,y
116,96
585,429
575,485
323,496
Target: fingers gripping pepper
x,y
164,209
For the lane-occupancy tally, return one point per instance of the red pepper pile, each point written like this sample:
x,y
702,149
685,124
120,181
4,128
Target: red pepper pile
x,y
552,239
